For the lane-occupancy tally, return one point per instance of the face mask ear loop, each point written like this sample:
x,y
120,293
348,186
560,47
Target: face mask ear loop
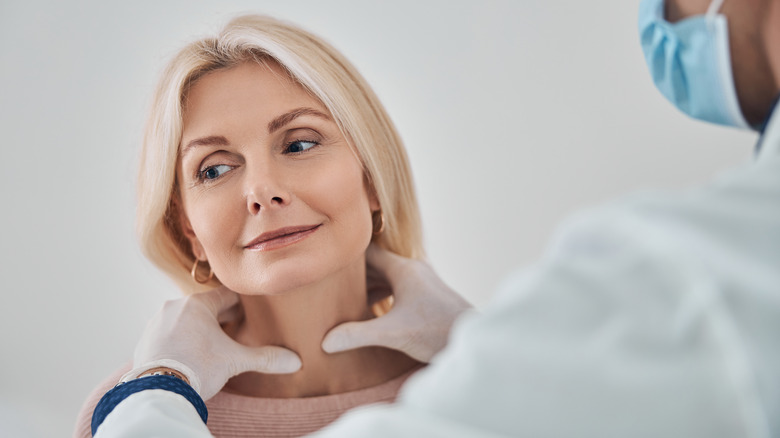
x,y
715,19
714,8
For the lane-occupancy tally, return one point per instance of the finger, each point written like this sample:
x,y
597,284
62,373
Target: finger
x,y
218,300
269,360
357,334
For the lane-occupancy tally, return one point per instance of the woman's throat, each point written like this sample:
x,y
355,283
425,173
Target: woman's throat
x,y
299,320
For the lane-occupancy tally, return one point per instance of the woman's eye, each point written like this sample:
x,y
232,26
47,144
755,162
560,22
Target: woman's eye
x,y
300,146
214,172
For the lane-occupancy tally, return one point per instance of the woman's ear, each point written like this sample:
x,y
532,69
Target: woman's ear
x,y
189,233
197,248
373,200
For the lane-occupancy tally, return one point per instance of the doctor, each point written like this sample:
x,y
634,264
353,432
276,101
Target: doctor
x,y
655,316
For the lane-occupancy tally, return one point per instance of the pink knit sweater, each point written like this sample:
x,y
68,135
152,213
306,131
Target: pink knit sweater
x,y
232,415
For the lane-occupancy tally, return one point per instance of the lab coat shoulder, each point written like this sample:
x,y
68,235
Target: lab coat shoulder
x,y
641,313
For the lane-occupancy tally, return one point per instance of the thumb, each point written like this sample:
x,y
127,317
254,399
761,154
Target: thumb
x,y
357,334
268,360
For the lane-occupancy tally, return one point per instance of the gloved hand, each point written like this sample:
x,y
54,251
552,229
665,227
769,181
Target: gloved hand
x,y
419,322
185,335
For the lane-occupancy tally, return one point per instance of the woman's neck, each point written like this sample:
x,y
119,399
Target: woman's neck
x,y
299,320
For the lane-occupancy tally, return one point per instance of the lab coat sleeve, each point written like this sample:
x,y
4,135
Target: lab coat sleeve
x,y
152,413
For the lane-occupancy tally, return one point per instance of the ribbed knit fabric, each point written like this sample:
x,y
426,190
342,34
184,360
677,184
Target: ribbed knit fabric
x,y
234,416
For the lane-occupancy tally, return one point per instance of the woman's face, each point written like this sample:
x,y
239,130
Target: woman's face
x,y
272,195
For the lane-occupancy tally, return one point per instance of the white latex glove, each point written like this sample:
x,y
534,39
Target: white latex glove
x,y
419,322
185,335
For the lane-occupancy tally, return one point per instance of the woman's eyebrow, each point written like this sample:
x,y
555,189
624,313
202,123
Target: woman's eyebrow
x,y
213,140
289,116
273,125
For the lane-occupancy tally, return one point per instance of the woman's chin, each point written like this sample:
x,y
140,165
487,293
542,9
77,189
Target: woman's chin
x,y
270,288
288,277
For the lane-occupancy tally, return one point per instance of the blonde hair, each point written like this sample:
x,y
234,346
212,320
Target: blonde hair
x,y
319,69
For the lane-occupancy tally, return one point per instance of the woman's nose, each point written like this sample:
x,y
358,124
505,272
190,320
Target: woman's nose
x,y
265,192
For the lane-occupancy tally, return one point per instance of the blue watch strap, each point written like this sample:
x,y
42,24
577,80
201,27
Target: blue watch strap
x,y
124,390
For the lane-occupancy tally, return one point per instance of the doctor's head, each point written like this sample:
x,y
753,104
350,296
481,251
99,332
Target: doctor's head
x,y
268,160
716,60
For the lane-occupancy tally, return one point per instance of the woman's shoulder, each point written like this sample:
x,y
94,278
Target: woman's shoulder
x,y
83,427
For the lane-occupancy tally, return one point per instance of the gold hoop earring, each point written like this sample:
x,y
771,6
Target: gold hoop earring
x,y
194,273
381,223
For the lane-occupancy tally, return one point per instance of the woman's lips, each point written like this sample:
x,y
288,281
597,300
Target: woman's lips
x,y
280,238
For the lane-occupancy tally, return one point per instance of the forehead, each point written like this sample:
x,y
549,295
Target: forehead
x,y
245,93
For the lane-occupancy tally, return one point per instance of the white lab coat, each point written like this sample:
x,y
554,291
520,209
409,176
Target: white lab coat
x,y
658,316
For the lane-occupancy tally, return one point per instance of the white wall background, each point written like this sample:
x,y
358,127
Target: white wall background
x,y
515,114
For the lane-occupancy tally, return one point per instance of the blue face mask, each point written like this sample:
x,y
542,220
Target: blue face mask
x,y
690,62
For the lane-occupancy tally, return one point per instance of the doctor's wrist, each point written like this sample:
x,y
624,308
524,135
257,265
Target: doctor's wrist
x,y
164,367
127,389
164,371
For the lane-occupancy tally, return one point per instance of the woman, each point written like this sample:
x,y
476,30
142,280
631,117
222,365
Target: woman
x,y
268,167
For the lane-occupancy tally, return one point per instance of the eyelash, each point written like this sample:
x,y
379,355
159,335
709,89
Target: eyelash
x,y
201,174
287,147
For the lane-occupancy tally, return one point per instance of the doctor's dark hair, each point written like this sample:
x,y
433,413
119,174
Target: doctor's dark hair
x,y
320,70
